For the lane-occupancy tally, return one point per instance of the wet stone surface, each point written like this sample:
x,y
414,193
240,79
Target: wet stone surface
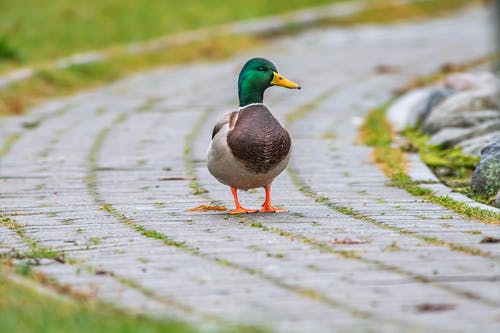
x,y
107,177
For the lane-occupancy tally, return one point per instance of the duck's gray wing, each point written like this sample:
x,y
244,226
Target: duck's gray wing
x,y
228,118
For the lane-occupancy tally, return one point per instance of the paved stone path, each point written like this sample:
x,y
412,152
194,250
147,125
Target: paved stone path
x,y
107,177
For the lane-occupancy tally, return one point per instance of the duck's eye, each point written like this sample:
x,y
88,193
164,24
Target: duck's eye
x,y
261,69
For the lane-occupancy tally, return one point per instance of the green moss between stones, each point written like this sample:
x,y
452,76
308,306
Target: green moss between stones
x,y
34,251
8,143
450,165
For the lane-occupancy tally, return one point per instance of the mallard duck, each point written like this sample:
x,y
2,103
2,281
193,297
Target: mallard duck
x,y
249,147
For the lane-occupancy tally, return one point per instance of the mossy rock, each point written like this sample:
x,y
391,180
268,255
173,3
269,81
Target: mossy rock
x,y
486,177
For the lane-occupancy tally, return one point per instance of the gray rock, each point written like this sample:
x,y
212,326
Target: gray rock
x,y
475,145
447,135
402,113
412,108
471,81
460,110
497,200
486,177
452,136
468,119
434,100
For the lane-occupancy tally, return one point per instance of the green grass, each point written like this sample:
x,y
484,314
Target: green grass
x,y
22,310
40,30
7,51
393,247
377,133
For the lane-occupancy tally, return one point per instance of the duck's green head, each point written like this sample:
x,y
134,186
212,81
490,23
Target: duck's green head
x,y
256,76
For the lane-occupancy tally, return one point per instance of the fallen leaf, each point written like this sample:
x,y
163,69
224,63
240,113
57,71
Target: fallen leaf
x,y
383,69
104,272
175,178
429,307
490,239
205,208
348,241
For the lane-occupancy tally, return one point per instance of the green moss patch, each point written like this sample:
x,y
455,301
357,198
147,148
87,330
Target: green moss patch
x,y
450,165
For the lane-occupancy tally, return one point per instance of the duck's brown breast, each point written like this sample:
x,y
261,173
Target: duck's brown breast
x,y
258,140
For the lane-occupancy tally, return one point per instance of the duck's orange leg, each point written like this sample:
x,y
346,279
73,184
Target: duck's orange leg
x,y
267,207
239,209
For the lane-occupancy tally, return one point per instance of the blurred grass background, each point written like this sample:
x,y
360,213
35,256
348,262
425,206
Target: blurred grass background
x,y
33,30
23,310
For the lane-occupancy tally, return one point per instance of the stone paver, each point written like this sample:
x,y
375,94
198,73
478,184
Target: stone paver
x,y
107,177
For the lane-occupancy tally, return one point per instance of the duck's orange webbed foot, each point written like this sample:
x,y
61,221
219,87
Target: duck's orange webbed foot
x,y
241,210
271,209
267,207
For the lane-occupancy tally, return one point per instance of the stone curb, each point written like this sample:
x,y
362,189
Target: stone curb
x,y
265,26
399,116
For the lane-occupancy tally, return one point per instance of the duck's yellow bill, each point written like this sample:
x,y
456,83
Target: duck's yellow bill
x,y
279,80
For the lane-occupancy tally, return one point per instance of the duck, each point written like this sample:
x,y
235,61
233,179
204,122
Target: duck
x,y
250,147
